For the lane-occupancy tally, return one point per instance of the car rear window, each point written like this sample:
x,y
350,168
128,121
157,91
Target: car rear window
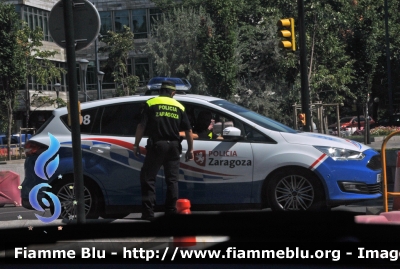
x,y
121,119
45,124
115,120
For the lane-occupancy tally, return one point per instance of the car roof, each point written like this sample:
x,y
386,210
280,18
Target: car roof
x,y
124,99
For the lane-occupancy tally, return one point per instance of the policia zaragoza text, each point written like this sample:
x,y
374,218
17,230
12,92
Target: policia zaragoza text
x,y
167,114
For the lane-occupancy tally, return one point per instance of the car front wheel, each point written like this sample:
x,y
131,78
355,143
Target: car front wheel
x,y
295,190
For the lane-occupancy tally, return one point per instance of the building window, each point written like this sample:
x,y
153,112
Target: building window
x,y
34,85
155,15
108,80
142,70
121,19
106,25
139,23
35,17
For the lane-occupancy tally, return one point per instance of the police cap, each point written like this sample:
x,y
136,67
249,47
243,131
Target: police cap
x,y
168,85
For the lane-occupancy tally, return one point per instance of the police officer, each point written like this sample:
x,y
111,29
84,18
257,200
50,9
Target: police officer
x,y
162,118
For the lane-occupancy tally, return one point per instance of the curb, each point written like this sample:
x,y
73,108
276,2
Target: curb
x,y
12,224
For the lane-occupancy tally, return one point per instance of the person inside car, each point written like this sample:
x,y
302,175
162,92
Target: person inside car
x,y
203,126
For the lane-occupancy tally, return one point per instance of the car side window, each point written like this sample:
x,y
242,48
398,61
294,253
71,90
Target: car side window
x,y
207,124
253,135
89,118
89,121
120,120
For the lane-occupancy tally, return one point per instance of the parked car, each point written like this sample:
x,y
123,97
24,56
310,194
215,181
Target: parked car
x,y
4,140
14,146
15,139
153,87
393,120
259,163
350,124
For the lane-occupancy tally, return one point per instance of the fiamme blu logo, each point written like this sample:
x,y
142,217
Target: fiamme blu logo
x,y
45,166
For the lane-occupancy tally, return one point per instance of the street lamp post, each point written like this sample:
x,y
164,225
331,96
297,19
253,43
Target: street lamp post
x,y
83,63
367,128
100,76
57,86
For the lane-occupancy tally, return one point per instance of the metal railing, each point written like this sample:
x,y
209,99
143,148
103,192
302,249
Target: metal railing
x,y
386,193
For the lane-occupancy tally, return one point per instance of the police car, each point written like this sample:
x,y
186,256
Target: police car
x,y
255,162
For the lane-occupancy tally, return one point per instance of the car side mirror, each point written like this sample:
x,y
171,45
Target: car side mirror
x,y
231,133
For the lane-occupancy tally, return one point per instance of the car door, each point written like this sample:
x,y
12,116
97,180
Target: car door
x,y
222,170
108,152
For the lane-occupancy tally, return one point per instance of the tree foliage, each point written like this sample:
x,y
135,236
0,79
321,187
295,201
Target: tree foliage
x,y
345,44
39,66
216,37
178,55
12,72
21,56
118,46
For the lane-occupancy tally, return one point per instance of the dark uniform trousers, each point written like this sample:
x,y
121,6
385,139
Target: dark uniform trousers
x,y
161,153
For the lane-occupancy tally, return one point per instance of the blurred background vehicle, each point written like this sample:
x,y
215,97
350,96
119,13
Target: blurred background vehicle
x,y
4,140
350,124
153,87
393,120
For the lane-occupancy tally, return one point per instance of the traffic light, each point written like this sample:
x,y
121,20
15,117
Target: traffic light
x,y
286,30
302,118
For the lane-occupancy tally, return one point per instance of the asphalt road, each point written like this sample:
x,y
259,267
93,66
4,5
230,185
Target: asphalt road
x,y
10,212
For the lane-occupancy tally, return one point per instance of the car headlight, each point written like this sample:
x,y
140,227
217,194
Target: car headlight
x,y
341,154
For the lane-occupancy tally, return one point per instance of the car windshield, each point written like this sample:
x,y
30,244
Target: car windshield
x,y
254,117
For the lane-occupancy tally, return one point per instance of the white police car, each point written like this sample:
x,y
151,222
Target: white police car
x,y
259,163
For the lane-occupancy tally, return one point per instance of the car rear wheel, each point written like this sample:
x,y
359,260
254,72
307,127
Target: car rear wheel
x,y
65,191
295,190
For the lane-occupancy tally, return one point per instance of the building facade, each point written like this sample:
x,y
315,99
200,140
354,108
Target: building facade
x,y
138,15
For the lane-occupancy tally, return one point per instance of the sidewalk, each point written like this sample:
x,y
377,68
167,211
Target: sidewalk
x,y
17,166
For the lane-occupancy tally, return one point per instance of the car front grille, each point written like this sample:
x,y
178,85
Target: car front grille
x,y
374,188
375,163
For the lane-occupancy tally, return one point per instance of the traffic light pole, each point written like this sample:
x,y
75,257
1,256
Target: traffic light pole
x,y
305,94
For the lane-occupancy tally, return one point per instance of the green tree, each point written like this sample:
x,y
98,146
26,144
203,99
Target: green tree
x,y
266,73
219,46
217,42
345,44
368,45
177,55
118,46
12,72
38,65
330,67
